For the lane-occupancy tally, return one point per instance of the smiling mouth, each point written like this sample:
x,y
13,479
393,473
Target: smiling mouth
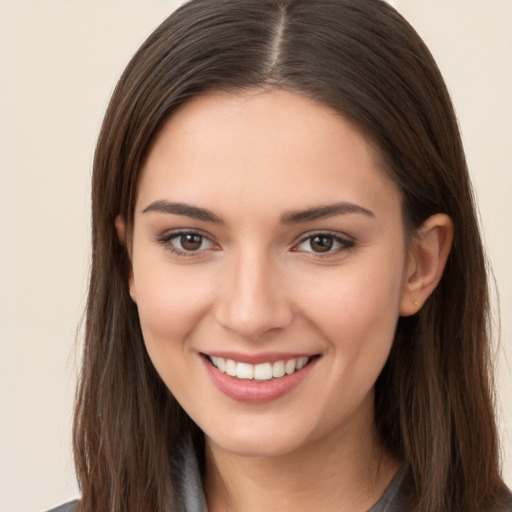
x,y
259,372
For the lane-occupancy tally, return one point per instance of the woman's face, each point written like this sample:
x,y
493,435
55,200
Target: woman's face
x,y
268,269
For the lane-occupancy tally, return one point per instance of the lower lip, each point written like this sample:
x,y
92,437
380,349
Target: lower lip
x,y
253,391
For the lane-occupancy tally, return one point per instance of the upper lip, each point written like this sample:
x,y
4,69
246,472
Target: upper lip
x,y
264,357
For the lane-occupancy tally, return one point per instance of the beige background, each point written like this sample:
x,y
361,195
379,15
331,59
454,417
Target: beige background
x,y
59,61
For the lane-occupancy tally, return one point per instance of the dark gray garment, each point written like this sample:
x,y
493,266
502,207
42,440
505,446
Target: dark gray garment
x,y
191,497
72,506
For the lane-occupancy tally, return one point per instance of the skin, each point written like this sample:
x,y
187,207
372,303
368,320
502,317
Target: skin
x,y
253,284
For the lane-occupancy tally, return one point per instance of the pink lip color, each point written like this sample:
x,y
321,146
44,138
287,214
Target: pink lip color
x,y
256,392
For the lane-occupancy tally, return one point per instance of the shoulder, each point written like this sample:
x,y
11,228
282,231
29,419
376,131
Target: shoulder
x,y
72,506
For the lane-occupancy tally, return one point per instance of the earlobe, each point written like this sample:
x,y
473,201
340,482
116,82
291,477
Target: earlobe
x,y
120,224
121,229
426,262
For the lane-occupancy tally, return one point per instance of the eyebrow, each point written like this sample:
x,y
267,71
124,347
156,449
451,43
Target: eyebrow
x,y
187,210
324,212
292,217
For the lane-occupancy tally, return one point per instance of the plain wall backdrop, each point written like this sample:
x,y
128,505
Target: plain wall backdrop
x,y
59,62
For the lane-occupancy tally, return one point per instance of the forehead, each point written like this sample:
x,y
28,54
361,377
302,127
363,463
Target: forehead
x,y
271,145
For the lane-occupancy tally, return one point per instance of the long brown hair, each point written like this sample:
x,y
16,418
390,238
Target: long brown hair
x,y
433,400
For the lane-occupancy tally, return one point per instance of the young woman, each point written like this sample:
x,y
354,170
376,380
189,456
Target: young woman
x,y
288,301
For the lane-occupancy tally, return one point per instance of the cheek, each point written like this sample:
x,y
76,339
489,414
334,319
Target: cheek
x,y
170,299
357,308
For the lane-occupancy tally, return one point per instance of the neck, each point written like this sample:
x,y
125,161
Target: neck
x,y
344,471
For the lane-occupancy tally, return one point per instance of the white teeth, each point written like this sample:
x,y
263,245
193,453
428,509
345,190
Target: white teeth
x,y
301,362
244,371
221,364
278,369
230,367
290,365
262,371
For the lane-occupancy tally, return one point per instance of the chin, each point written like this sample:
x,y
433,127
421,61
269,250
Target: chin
x,y
264,443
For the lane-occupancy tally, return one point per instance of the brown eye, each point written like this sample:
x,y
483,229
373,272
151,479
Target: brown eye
x,y
186,243
191,242
321,243
324,244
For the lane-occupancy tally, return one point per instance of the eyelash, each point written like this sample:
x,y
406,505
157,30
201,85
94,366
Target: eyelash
x,y
342,242
168,241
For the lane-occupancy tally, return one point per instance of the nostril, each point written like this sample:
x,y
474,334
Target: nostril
x,y
253,320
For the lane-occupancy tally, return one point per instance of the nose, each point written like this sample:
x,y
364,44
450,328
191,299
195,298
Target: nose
x,y
252,298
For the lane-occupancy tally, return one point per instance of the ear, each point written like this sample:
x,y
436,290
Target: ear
x,y
426,261
121,229
120,224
